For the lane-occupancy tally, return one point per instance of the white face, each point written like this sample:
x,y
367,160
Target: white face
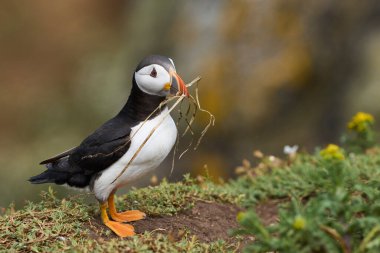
x,y
154,80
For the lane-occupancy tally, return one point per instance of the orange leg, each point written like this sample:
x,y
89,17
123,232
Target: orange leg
x,y
126,216
122,230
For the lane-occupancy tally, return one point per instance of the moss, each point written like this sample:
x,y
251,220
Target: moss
x,y
169,198
306,175
68,224
149,242
332,206
47,226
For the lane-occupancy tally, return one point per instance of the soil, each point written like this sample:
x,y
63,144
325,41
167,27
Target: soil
x,y
208,221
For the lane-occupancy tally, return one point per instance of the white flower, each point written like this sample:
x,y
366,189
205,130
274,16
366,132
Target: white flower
x,y
290,150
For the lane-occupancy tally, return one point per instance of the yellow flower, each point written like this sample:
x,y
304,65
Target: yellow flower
x,y
332,152
299,223
360,122
240,216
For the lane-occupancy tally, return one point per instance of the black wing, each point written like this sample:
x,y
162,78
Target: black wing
x,y
77,166
104,147
59,156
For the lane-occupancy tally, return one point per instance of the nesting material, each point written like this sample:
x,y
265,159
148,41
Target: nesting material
x,y
193,107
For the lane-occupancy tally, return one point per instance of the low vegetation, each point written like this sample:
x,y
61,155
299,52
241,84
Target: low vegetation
x,y
331,199
70,224
328,201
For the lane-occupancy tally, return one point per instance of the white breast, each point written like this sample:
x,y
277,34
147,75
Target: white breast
x,y
150,156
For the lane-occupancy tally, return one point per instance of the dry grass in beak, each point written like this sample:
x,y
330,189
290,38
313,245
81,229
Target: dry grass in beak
x,y
193,103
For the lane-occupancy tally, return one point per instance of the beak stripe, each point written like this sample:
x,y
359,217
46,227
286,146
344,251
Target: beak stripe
x,y
182,89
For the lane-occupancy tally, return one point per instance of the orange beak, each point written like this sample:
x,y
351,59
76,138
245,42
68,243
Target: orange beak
x,y
178,86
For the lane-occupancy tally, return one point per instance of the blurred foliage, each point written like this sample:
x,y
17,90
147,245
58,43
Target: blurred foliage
x,y
339,212
362,135
274,73
332,152
326,204
332,202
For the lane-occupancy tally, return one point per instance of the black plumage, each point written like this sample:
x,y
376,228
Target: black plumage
x,y
78,166
105,153
157,59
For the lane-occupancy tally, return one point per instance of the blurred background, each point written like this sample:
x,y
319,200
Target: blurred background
x,y
274,73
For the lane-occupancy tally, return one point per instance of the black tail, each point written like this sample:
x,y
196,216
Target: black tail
x,y
57,172
62,172
50,176
39,179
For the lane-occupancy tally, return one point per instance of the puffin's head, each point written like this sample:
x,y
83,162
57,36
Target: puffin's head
x,y
156,75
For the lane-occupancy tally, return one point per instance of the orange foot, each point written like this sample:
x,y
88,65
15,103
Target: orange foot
x,y
126,216
122,230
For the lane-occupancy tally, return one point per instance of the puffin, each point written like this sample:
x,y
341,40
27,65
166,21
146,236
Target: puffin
x,y
123,149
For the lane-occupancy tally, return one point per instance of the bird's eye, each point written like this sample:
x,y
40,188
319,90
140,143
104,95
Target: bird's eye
x,y
153,73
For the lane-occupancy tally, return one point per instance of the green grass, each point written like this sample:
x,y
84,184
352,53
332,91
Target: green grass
x,y
327,206
64,224
331,205
303,177
155,243
169,198
44,226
